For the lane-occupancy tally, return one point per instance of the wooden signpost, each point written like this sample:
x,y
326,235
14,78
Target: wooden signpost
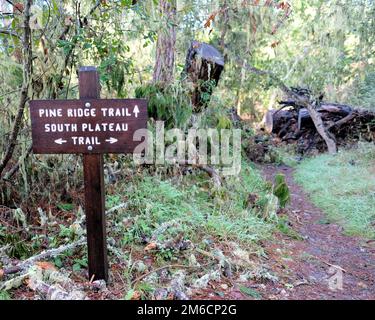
x,y
90,126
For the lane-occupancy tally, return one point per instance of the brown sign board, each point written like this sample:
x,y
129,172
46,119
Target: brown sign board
x,y
90,126
86,125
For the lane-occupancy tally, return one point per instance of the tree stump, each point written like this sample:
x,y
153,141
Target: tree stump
x,y
203,67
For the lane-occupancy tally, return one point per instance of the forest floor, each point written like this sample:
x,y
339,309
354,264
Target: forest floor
x,y
325,264
301,252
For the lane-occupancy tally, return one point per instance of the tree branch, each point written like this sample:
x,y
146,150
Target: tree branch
x,y
71,48
47,254
9,33
339,123
11,3
16,167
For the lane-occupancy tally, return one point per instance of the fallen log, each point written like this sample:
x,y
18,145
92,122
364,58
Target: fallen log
x,y
47,254
302,98
343,122
275,119
327,111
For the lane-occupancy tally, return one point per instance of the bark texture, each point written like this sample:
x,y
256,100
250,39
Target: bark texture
x,y
166,44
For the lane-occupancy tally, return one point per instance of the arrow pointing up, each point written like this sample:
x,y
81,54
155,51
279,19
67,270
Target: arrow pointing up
x,y
60,141
112,140
136,111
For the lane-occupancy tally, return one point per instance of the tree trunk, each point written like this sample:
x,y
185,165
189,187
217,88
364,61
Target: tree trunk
x,y
27,71
319,125
225,21
243,71
166,44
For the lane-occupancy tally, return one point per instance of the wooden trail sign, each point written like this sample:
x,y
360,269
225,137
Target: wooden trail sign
x,y
91,126
86,125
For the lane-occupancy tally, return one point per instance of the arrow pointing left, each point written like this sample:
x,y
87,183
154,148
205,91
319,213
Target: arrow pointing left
x,y
60,141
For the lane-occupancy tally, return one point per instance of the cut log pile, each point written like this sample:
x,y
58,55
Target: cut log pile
x,y
345,124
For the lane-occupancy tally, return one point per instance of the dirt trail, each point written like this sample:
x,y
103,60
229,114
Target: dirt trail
x,y
313,268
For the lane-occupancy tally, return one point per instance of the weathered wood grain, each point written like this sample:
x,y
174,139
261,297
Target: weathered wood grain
x,y
93,170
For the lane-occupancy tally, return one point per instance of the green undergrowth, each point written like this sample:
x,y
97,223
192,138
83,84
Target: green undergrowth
x,y
165,216
286,154
4,295
199,208
344,187
165,212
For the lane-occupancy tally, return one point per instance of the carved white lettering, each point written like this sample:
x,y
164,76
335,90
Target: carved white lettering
x,y
50,113
104,127
86,141
60,127
116,112
79,113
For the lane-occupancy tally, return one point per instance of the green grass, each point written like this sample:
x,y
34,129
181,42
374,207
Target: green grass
x,y
344,187
199,208
4,295
285,154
